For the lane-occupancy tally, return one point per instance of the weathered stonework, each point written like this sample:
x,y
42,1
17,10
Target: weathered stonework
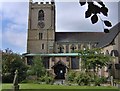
x,y
34,43
42,39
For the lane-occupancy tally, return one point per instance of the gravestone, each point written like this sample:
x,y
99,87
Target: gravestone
x,y
15,82
111,80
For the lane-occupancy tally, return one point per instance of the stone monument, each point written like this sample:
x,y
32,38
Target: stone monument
x,y
15,82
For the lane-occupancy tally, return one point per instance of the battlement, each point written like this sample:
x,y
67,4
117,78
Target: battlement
x,y
44,3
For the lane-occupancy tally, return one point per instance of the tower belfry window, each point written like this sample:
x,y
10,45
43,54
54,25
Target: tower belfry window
x,y
40,36
41,15
42,46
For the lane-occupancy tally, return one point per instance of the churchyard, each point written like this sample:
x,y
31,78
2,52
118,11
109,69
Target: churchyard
x,y
46,87
17,75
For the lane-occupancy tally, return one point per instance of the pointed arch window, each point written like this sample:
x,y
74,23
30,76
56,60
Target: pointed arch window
x,y
42,47
85,46
41,15
73,47
60,48
107,52
79,46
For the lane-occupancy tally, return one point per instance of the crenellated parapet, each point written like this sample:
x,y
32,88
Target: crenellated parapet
x,y
42,2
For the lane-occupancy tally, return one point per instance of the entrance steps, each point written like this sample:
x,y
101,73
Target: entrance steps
x,y
59,82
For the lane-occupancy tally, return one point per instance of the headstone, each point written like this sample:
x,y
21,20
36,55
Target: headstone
x,y
111,80
15,82
119,85
62,82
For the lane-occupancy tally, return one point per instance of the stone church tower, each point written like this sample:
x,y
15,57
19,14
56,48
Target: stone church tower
x,y
41,27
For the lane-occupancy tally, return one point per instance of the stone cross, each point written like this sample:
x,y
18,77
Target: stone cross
x,y
15,82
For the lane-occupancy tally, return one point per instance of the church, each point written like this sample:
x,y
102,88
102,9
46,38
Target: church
x,y
57,48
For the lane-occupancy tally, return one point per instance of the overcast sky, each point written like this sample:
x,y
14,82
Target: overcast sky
x,y
69,17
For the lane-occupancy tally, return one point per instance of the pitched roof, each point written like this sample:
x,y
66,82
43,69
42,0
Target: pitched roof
x,y
78,36
109,37
59,62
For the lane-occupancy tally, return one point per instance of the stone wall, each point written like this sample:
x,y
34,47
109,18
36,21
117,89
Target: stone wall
x,y
34,43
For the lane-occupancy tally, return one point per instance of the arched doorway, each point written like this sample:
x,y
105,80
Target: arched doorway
x,y
59,70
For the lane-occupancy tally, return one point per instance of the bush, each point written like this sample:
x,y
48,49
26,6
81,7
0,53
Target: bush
x,y
7,78
37,67
103,79
29,81
47,79
71,76
10,63
42,79
83,79
99,80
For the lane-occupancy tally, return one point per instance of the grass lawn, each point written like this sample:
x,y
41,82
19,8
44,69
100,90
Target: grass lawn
x,y
39,87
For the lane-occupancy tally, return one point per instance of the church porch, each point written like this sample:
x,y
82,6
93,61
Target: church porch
x,y
57,64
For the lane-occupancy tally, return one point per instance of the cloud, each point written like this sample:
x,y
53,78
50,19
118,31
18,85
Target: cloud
x,y
17,12
14,24
14,36
71,17
0,26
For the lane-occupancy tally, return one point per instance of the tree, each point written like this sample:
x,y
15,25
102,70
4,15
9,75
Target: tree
x,y
93,59
94,10
11,62
37,68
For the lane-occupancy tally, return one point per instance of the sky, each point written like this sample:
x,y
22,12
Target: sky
x,y
69,17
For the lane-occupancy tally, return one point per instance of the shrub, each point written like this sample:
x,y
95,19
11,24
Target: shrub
x,y
42,79
7,78
47,79
71,76
10,63
99,80
29,81
103,79
83,79
37,68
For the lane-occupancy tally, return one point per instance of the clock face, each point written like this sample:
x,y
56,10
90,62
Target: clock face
x,y
41,24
